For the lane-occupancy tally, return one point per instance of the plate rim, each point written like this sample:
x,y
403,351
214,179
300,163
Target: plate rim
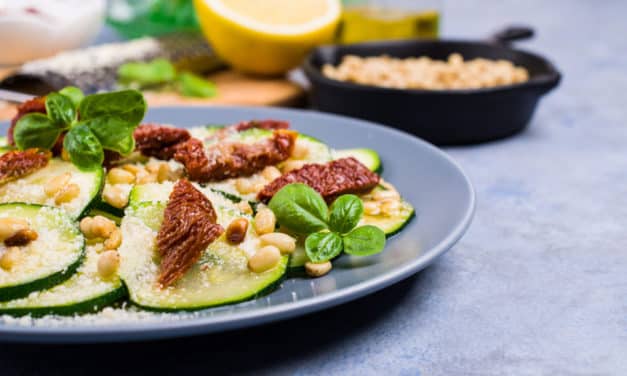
x,y
138,331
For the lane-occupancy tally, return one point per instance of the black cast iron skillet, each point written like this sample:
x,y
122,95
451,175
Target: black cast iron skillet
x,y
442,117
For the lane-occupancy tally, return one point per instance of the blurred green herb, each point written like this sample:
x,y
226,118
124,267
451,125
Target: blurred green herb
x,y
161,72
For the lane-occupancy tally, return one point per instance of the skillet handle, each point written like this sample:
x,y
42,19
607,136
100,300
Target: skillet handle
x,y
511,34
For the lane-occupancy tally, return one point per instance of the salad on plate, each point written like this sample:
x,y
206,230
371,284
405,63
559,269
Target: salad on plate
x,y
100,209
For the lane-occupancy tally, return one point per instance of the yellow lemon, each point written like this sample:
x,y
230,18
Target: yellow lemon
x,y
267,36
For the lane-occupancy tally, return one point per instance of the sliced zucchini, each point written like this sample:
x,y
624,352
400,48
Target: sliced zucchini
x,y
85,291
299,257
317,151
30,189
367,157
220,277
50,259
390,223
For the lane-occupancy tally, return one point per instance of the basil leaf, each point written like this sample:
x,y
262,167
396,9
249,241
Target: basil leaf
x,y
75,94
192,85
364,241
113,133
300,208
126,105
83,147
323,246
346,212
154,72
35,130
60,109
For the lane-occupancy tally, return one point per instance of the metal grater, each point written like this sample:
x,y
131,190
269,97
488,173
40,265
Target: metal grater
x,y
93,69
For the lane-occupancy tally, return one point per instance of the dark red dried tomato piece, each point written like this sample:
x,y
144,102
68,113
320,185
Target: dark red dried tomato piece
x,y
189,226
16,164
34,105
268,124
230,160
159,141
346,175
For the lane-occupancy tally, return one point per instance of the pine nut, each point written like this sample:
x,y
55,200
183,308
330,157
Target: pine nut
x,y
258,187
372,208
163,173
265,221
385,194
244,207
108,263
264,259
390,207
120,176
67,194
10,258
244,186
56,184
300,150
132,168
21,238
236,231
292,165
153,166
114,240
284,242
98,227
145,177
317,269
270,173
11,226
115,196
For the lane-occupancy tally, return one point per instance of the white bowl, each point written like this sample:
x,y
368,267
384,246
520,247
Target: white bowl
x,y
31,29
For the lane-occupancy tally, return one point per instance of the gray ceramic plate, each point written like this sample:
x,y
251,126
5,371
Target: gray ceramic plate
x,y
425,176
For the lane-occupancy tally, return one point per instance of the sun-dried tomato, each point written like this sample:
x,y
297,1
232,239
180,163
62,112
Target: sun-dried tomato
x,y
34,105
346,175
189,226
230,160
268,124
159,141
16,164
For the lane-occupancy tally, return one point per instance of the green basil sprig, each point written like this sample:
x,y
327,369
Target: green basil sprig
x,y
329,232
93,123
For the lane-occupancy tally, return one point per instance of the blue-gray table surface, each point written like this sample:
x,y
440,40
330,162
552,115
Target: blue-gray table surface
x,y
538,286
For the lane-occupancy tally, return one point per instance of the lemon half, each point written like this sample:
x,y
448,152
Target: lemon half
x,y
267,37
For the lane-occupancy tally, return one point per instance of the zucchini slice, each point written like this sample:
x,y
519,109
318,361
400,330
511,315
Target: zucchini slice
x,y
50,259
368,157
30,188
86,291
390,223
220,277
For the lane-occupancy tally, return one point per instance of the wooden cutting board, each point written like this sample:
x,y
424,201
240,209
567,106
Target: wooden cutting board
x,y
233,89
